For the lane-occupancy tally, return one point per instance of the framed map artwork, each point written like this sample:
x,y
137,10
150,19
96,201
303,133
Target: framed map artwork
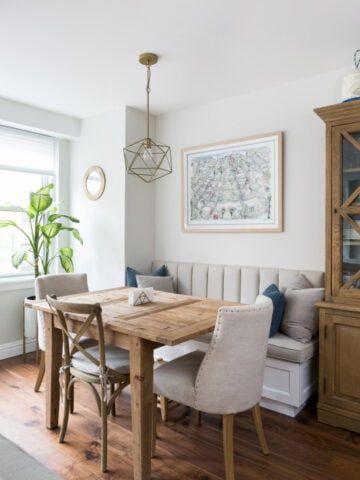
x,y
234,186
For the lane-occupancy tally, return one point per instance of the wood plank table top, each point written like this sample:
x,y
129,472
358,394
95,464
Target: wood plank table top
x,y
169,320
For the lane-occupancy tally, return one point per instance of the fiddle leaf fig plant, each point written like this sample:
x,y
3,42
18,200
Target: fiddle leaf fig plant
x,y
45,224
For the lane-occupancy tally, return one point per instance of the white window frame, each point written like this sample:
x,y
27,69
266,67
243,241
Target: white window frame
x,y
54,178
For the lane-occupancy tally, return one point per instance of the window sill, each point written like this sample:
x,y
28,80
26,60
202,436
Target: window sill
x,y
16,283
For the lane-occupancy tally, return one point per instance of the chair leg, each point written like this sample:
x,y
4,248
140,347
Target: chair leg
x,y
113,407
259,429
153,444
103,433
228,443
67,402
72,397
164,403
41,372
198,418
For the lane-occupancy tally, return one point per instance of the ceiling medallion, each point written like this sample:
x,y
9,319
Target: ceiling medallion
x,y
146,158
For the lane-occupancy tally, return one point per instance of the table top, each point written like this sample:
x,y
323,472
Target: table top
x,y
170,319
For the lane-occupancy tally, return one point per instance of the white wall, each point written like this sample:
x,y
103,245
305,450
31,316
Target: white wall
x,y
102,221
118,228
140,202
288,108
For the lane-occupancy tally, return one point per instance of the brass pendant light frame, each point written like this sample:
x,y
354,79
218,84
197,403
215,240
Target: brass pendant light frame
x,y
146,158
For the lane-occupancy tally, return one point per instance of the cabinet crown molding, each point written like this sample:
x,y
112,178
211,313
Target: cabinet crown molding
x,y
340,112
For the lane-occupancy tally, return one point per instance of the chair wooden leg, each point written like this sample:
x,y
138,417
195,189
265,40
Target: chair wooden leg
x,y
72,397
164,403
259,429
41,372
113,407
228,443
153,445
103,433
66,408
198,417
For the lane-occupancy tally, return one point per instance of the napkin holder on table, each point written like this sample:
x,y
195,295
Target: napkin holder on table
x,y
140,296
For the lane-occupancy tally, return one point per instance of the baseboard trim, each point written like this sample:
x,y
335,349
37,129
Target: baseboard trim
x,y
280,407
13,349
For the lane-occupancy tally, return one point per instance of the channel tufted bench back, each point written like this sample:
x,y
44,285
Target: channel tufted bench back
x,y
229,282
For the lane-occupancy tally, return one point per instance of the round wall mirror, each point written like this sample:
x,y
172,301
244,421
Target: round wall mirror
x,y
94,182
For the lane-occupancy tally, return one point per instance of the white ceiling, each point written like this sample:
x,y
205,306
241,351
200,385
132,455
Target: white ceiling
x,y
79,57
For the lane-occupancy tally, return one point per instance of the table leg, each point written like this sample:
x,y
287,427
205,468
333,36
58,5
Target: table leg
x,y
53,351
141,377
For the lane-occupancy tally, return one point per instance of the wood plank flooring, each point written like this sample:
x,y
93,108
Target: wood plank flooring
x,y
301,448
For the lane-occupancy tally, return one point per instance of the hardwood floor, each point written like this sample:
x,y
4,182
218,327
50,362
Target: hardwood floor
x,y
300,449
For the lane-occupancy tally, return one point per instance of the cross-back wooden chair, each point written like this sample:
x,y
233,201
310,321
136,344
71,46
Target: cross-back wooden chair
x,y
59,284
101,365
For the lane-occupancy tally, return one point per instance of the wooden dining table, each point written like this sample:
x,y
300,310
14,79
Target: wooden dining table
x,y
169,320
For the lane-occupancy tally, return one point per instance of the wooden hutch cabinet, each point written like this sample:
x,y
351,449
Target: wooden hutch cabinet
x,y
339,329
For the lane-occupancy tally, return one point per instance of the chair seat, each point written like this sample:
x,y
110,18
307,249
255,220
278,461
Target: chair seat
x,y
87,342
176,379
117,359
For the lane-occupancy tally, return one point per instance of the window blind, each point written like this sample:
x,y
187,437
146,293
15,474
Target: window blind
x,y
27,151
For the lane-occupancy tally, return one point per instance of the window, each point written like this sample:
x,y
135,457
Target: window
x,y
27,162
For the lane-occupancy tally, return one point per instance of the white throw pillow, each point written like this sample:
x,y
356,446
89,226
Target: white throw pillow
x,y
300,320
164,284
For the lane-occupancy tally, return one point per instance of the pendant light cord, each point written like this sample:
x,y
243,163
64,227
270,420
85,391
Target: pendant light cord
x,y
148,90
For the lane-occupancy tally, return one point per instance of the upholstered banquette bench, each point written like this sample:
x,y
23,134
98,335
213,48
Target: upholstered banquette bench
x,y
291,367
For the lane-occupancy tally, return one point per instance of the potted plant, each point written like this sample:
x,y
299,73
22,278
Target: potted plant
x,y
45,224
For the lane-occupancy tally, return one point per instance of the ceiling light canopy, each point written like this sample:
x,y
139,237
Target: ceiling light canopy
x,y
147,158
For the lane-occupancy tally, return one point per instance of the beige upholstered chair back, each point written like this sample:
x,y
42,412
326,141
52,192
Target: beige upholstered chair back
x,y
59,285
231,282
230,378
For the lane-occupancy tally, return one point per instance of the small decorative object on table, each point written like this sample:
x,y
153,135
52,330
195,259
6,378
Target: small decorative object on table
x,y
350,89
140,296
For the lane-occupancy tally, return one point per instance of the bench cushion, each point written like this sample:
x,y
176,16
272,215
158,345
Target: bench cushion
x,y
282,347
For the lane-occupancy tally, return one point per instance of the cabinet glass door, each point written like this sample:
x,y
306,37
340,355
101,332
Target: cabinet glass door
x,y
346,211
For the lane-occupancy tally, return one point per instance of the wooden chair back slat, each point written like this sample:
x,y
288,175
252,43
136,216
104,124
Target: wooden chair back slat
x,y
71,343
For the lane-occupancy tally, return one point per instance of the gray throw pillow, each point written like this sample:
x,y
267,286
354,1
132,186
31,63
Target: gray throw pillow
x,y
164,284
300,320
300,282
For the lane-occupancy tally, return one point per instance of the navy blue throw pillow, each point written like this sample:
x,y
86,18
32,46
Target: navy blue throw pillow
x,y
131,275
278,299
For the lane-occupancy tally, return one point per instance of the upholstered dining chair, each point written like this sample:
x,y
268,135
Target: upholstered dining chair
x,y
101,365
228,378
59,285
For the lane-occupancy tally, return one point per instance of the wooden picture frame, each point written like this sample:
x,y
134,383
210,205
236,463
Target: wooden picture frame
x,y
233,186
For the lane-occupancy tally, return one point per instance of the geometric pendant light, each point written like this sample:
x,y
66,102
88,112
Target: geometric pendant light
x,y
147,158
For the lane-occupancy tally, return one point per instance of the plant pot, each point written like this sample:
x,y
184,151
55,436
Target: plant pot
x,y
30,319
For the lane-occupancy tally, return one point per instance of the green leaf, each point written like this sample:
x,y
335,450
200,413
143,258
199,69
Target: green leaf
x,y
56,216
66,263
40,201
31,212
50,230
7,223
76,234
67,252
18,257
45,190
